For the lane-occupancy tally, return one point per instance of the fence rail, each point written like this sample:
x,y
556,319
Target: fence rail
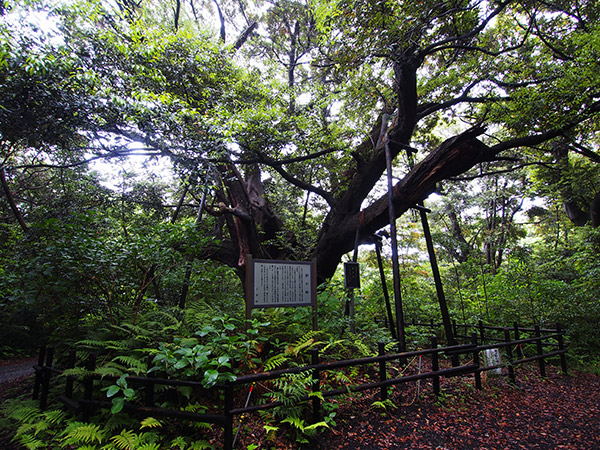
x,y
505,338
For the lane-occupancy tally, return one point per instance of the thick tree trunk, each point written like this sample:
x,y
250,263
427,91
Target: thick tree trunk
x,y
453,157
461,254
576,214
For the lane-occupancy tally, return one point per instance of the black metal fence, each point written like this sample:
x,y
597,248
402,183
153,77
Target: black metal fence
x,y
547,343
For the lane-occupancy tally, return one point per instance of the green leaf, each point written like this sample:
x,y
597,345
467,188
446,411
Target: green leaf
x,y
112,390
117,405
210,377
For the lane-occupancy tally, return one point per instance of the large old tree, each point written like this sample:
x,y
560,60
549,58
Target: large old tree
x,y
291,149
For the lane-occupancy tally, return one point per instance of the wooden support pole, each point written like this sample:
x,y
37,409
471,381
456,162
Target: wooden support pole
x,y
509,356
88,385
316,387
476,361
394,238
517,335
435,366
46,373
437,278
386,295
561,346
382,371
540,352
149,389
38,372
70,379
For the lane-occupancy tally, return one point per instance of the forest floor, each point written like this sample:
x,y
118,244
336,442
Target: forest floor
x,y
556,412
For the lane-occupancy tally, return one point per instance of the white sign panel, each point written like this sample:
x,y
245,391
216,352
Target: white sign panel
x,y
281,283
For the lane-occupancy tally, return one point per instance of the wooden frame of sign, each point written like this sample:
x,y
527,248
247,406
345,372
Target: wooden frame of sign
x,y
275,284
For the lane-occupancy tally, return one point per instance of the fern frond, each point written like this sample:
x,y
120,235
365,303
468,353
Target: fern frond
x,y
113,370
91,343
332,344
362,348
26,414
310,335
78,433
128,328
269,428
178,443
31,442
275,361
317,394
126,440
314,426
148,446
150,422
149,339
391,346
119,421
200,445
305,342
132,362
79,372
117,344
195,407
25,429
294,421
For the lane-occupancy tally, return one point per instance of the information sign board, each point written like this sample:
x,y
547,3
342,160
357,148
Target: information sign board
x,y
281,283
276,283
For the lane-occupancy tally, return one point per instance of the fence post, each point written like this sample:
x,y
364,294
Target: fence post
x,y
520,353
561,346
540,352
435,366
70,378
476,361
38,373
481,331
228,426
509,356
46,373
88,384
316,387
382,371
149,390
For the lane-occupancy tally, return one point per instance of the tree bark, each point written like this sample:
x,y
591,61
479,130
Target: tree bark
x,y
461,254
453,157
11,201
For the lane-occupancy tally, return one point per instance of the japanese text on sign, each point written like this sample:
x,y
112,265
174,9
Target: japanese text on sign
x,y
282,284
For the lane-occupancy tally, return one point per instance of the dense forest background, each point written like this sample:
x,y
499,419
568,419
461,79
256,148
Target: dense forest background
x,y
148,146
261,128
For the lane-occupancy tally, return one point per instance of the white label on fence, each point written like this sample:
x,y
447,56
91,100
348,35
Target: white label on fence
x,y
491,357
282,284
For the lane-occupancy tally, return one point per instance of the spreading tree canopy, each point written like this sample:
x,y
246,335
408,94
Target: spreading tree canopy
x,y
285,109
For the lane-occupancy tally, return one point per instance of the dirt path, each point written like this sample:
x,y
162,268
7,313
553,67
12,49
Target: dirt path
x,y
15,370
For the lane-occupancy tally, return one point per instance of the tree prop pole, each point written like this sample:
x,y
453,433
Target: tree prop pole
x,y
436,277
386,294
394,239
190,262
